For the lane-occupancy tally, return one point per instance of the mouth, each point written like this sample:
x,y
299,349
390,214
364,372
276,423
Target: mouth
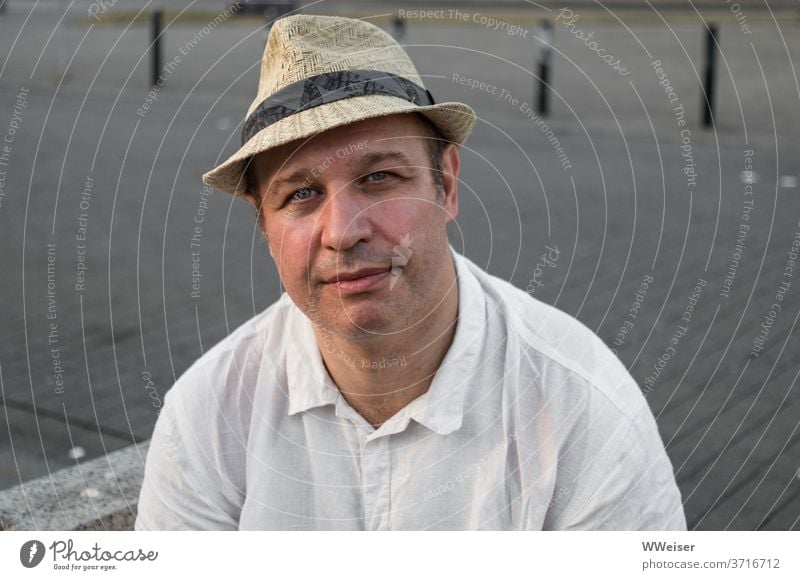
x,y
358,280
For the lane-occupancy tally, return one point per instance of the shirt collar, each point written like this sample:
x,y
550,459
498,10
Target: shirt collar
x,y
441,408
309,384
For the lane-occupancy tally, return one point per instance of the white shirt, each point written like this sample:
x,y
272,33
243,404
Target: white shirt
x,y
530,423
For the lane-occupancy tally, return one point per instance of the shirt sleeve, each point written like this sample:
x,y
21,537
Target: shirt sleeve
x,y
623,481
182,489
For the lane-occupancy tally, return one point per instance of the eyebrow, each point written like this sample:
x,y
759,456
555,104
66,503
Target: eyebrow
x,y
297,176
303,174
379,157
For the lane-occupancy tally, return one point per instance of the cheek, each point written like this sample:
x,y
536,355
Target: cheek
x,y
289,245
423,221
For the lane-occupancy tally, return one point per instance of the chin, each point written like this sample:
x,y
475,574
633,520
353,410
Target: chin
x,y
365,321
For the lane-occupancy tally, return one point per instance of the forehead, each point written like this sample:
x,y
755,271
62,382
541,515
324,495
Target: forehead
x,y
399,131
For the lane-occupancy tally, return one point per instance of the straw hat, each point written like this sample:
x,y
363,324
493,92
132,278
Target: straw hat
x,y
321,72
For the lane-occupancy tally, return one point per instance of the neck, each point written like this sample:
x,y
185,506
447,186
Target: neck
x,y
380,377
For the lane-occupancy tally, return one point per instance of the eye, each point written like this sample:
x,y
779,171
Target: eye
x,y
301,195
377,176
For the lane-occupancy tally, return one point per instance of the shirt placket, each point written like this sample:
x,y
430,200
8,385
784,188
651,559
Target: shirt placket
x,y
376,483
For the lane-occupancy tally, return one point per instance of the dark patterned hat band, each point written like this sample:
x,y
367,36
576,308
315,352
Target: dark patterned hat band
x,y
328,88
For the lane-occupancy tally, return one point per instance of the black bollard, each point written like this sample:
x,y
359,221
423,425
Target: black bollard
x,y
710,72
545,58
156,44
399,29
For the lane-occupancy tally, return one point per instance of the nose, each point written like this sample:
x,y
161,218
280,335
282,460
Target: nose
x,y
344,220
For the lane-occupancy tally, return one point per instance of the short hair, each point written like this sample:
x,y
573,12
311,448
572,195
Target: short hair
x,y
435,143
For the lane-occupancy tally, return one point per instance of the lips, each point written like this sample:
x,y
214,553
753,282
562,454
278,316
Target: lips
x,y
356,274
358,281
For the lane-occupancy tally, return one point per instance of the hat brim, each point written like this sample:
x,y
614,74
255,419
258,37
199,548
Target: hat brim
x,y
455,121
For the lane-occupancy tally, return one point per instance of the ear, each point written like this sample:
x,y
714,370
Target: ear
x,y
451,162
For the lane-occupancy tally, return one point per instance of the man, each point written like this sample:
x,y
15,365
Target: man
x,y
395,385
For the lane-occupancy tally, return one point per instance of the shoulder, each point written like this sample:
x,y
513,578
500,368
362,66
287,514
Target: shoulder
x,y
195,474
612,464
558,348
221,383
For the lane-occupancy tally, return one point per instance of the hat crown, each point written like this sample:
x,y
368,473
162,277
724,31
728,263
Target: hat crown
x,y
304,45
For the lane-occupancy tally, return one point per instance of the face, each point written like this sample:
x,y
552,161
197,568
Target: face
x,y
356,227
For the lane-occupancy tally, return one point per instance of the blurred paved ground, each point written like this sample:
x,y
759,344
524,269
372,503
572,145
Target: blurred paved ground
x,y
621,213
